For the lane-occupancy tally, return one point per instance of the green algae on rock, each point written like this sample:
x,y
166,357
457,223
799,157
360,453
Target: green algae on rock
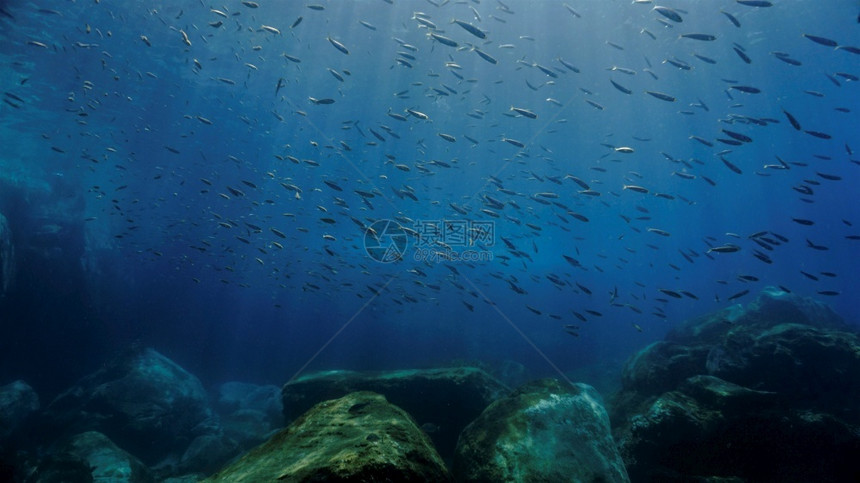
x,y
359,437
444,399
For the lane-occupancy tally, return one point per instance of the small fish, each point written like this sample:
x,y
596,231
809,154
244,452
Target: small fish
x,y
731,18
738,295
637,189
524,112
661,96
669,13
702,37
736,135
725,249
339,46
418,114
792,120
335,74
818,134
744,57
746,89
755,3
442,39
620,87
731,165
821,40
485,56
332,185
594,104
514,142
471,29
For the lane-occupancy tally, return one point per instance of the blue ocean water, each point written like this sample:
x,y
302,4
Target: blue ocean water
x,y
164,172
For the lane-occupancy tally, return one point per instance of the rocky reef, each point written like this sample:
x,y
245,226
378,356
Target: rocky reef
x,y
442,400
762,393
91,456
545,431
148,405
359,437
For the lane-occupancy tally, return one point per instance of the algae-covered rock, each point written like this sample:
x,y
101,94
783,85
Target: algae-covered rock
x,y
443,401
359,437
545,431
142,401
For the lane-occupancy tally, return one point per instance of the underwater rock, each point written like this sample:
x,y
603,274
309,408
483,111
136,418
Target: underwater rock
x,y
712,428
359,437
544,431
7,257
205,454
17,402
234,396
661,366
248,427
443,401
249,413
107,461
774,379
772,307
141,400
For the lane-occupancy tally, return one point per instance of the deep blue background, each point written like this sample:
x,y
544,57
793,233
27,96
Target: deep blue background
x,y
140,255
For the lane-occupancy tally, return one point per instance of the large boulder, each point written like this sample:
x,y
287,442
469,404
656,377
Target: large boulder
x,y
712,429
249,413
545,431
732,394
443,400
7,257
141,400
107,461
359,437
17,402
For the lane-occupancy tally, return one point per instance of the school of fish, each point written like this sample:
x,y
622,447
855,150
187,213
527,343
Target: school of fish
x,y
255,144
